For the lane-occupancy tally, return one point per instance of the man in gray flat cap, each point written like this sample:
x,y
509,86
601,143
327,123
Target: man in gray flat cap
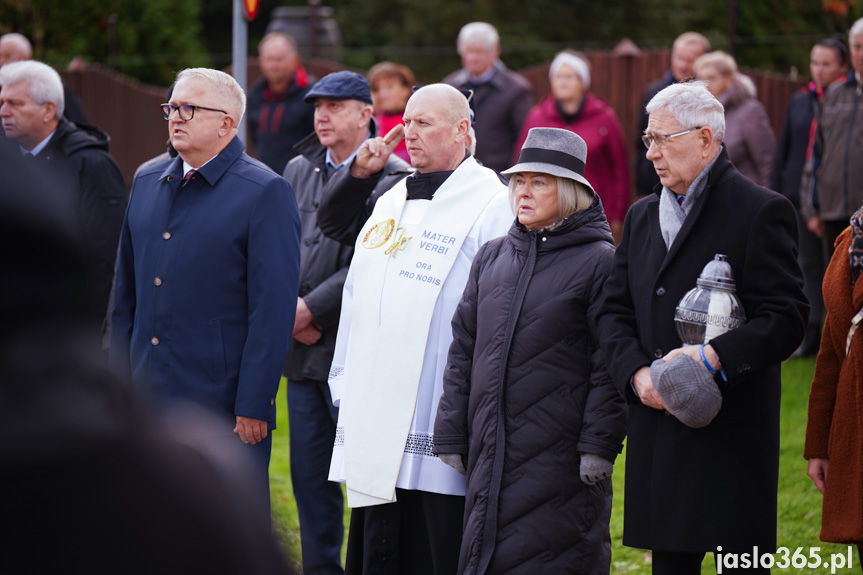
x,y
342,120
684,492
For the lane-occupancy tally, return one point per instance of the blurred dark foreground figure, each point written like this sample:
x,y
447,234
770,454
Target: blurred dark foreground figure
x,y
95,483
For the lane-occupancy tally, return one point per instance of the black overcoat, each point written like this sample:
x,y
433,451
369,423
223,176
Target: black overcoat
x,y
696,489
525,392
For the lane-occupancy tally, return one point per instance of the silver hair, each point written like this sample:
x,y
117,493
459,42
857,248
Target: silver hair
x,y
691,104
226,89
455,104
572,196
20,41
856,29
44,81
471,133
478,33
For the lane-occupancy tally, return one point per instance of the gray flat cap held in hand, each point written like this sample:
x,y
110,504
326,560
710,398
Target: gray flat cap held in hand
x,y
689,392
552,151
342,85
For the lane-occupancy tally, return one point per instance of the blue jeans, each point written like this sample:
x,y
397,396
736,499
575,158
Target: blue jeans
x,y
312,423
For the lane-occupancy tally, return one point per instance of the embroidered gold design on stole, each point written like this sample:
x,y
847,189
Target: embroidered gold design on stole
x,y
379,234
399,244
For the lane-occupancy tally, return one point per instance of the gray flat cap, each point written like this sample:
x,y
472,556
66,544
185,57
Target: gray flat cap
x,y
689,392
344,85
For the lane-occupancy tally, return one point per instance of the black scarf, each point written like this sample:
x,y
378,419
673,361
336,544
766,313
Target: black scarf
x,y
423,186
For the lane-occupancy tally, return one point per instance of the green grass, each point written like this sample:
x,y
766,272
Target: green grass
x,y
799,502
286,523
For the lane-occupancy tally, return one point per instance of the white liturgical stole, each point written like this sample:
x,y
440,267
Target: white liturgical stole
x,y
399,267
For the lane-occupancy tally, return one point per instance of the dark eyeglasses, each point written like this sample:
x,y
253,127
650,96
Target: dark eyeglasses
x,y
186,111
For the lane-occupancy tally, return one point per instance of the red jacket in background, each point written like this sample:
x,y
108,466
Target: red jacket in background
x,y
607,167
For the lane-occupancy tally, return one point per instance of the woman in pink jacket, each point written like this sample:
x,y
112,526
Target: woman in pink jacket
x,y
572,107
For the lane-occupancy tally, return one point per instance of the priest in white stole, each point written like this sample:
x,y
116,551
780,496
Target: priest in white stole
x,y
407,276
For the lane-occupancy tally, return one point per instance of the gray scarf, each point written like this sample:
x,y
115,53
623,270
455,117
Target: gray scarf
x,y
672,214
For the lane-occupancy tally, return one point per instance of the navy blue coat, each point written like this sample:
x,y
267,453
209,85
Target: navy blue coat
x,y
207,281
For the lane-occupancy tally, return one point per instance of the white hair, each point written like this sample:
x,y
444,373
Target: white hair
x,y
856,29
44,81
478,33
224,87
21,43
471,134
691,104
573,61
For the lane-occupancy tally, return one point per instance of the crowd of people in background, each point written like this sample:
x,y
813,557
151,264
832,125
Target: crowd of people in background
x,y
470,310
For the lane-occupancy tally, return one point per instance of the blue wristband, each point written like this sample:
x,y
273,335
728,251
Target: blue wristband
x,y
704,360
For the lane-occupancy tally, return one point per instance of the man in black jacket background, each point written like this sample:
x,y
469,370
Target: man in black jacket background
x,y
87,179
277,112
685,50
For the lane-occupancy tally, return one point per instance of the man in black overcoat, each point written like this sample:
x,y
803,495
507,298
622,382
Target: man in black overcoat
x,y
710,489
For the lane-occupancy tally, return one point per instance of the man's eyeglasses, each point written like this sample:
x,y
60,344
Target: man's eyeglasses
x,y
662,140
186,111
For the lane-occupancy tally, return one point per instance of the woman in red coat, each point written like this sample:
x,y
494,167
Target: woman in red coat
x,y
391,86
834,432
572,107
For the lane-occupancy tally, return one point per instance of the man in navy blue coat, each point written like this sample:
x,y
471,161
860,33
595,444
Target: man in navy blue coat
x,y
208,268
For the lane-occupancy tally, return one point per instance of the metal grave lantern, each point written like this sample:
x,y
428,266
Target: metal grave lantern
x,y
711,308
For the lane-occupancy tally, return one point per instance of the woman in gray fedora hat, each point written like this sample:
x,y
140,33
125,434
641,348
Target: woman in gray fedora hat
x,y
528,411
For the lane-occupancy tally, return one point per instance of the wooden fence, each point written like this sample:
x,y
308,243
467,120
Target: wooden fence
x,y
128,110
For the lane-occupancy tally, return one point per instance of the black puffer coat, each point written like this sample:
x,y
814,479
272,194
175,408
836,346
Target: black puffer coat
x,y
525,391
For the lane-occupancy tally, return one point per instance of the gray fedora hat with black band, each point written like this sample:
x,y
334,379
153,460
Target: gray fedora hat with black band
x,y
553,151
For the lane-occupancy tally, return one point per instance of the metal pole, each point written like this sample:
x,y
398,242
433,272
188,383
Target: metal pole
x,y
240,53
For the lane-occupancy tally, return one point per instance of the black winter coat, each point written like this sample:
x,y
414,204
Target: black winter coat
x,y
323,262
791,147
525,392
502,104
90,183
692,490
279,121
